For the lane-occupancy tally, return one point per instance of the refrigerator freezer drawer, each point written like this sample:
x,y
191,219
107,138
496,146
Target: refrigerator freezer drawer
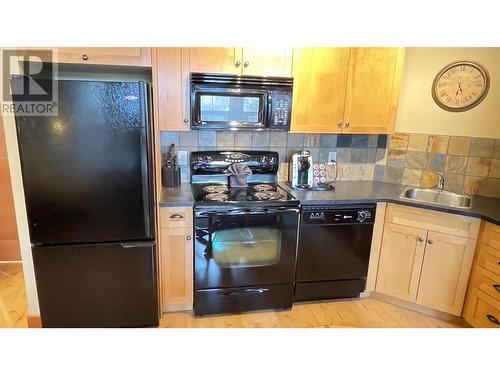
x,y
100,285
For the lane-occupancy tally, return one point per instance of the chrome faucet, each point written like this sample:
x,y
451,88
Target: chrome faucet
x,y
440,183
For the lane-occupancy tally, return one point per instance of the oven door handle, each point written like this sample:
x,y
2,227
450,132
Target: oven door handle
x,y
244,291
240,212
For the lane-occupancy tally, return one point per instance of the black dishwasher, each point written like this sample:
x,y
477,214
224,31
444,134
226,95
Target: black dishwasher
x,y
333,253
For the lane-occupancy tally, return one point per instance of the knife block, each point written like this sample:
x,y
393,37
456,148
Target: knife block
x,y
170,177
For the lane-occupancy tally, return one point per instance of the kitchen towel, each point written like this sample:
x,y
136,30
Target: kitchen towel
x,y
238,174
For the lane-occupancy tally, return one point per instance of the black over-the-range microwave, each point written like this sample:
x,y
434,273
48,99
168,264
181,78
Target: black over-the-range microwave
x,y
231,102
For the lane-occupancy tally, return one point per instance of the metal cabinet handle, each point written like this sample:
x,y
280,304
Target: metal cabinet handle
x,y
347,124
85,57
237,63
430,242
497,287
186,120
492,319
245,64
188,238
420,239
176,216
339,124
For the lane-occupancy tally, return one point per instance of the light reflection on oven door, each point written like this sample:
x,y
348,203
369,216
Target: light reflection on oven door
x,y
246,247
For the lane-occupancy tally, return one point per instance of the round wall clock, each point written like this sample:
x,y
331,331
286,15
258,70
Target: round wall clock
x,y
460,86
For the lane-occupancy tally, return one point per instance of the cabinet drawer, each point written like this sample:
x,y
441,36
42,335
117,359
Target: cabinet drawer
x,y
488,257
436,221
176,217
491,235
486,281
481,310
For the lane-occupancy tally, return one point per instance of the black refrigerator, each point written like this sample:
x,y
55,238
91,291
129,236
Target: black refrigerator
x,y
89,191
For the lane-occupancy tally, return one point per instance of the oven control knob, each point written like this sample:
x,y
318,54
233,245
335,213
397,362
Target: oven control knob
x,y
207,159
264,159
198,160
363,215
273,160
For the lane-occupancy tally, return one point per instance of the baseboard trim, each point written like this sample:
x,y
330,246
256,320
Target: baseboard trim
x,y
34,321
420,309
177,307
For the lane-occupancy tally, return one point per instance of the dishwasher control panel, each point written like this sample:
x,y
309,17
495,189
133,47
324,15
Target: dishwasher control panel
x,y
322,215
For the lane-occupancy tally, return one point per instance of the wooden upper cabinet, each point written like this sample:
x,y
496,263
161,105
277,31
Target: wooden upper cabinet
x,y
171,88
319,89
372,90
105,56
445,272
346,90
215,60
275,62
400,261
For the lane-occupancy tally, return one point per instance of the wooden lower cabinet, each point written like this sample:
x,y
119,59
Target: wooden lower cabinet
x,y
482,306
400,261
481,310
445,272
177,269
421,265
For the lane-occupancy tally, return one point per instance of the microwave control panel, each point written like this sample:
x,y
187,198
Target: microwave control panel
x,y
280,110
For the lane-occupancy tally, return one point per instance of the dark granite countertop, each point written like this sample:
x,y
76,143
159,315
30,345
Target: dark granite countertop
x,y
353,192
179,196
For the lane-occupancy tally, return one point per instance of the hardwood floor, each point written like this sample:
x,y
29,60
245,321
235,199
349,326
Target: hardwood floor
x,y
13,306
366,312
362,313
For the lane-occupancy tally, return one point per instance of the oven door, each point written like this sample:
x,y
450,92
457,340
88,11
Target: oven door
x,y
228,108
245,247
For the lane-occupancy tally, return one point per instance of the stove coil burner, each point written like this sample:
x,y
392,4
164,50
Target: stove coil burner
x,y
267,195
220,197
263,187
211,189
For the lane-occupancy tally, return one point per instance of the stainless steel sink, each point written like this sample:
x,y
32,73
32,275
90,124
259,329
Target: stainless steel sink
x,y
439,197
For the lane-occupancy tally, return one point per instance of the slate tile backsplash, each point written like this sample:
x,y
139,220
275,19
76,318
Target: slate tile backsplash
x,y
470,165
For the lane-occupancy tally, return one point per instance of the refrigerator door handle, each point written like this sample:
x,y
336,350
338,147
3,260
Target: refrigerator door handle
x,y
128,245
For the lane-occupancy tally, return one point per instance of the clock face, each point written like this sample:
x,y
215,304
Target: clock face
x,y
460,86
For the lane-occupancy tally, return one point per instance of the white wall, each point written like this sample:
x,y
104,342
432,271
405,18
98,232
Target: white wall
x,y
418,113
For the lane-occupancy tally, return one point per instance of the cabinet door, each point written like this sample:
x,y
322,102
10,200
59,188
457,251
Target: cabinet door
x,y
215,60
319,88
445,272
171,88
372,90
105,56
481,310
400,261
177,269
275,62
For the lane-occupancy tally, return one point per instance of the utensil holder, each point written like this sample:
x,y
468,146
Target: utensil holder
x,y
170,177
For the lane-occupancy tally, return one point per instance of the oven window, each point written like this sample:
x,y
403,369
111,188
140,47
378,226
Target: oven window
x,y
246,247
230,108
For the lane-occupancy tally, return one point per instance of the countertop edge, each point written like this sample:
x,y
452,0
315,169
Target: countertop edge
x,y
182,197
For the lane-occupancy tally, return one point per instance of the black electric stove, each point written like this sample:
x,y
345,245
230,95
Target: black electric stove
x,y
211,186
245,237
255,193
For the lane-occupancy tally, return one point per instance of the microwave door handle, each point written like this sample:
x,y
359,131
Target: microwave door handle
x,y
269,107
